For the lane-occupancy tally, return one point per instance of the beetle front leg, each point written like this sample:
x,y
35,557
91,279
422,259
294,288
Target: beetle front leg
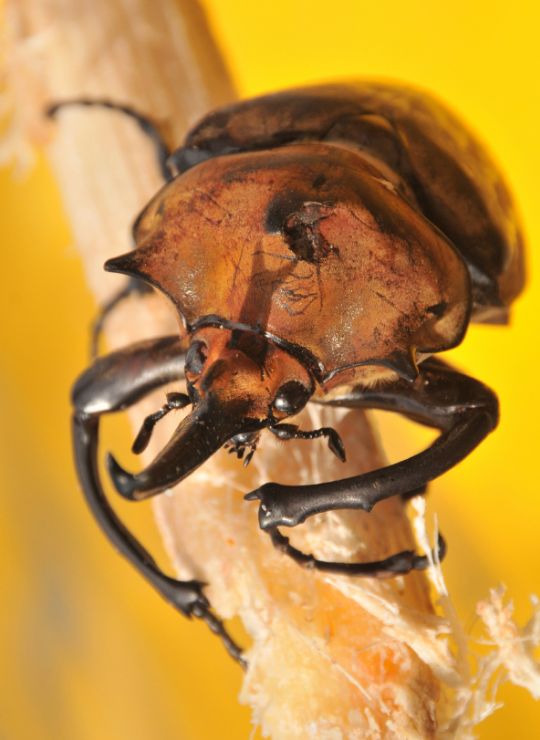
x,y
113,383
461,407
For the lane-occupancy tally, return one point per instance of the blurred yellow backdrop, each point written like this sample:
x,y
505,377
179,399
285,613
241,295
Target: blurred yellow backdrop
x,y
87,651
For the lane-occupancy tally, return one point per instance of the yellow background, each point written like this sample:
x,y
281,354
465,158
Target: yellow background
x,y
87,651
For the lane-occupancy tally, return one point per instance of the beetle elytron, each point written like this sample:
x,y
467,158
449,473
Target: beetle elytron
x,y
319,244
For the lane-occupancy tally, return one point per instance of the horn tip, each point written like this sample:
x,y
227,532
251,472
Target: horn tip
x,y
125,264
123,481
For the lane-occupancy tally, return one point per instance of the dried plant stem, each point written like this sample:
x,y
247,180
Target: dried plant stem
x,y
330,654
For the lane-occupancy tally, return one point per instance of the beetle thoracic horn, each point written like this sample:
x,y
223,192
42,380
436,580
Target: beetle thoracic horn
x,y
200,434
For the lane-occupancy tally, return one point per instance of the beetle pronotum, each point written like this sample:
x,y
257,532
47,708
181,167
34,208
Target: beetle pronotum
x,y
319,245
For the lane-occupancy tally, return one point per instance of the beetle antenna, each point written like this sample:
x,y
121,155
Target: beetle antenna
x,y
174,401
291,431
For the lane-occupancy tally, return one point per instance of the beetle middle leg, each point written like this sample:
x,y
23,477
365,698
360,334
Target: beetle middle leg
x,y
163,152
462,408
133,287
112,384
149,128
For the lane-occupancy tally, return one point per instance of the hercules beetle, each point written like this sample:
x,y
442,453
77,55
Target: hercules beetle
x,y
319,244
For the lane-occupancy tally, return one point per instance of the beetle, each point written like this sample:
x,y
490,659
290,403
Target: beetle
x,y
320,244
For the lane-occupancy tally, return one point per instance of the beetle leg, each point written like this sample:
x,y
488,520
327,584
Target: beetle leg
x,y
163,153
122,378
462,408
134,286
291,431
400,563
113,383
146,124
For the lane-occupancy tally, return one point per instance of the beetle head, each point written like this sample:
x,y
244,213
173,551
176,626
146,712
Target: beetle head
x,y
239,383
244,371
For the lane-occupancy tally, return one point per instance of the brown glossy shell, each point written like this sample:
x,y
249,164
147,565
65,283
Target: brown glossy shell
x,y
454,181
309,244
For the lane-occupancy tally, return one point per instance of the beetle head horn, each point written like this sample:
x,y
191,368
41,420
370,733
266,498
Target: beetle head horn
x,y
239,384
196,438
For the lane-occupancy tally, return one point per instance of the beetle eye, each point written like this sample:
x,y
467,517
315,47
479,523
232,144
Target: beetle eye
x,y
195,358
291,397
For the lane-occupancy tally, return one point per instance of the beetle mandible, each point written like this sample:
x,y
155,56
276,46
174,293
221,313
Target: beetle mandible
x,y
319,244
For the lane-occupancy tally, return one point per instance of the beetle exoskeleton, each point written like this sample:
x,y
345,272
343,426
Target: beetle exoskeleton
x,y
319,244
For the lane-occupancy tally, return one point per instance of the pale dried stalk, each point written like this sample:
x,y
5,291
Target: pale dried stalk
x,y
332,656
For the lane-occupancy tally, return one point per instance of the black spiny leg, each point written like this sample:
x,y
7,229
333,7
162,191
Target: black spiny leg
x,y
462,408
398,564
113,383
132,287
145,123
150,129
